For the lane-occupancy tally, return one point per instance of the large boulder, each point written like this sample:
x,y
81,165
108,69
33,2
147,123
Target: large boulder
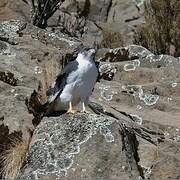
x,y
89,147
134,82
80,146
24,52
143,83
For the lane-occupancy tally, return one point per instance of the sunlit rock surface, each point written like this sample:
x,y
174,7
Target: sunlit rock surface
x,y
134,80
81,146
22,65
141,82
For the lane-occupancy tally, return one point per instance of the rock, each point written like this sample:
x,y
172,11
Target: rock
x,y
9,30
123,17
3,47
13,109
82,146
97,13
72,24
136,70
22,66
111,16
95,10
135,83
146,86
10,9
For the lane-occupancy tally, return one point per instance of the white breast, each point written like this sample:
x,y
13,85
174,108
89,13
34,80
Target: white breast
x,y
87,75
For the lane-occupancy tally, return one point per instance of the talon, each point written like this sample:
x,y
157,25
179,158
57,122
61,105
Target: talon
x,y
84,108
85,111
70,110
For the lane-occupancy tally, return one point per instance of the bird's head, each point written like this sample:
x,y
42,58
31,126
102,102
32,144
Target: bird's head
x,y
87,52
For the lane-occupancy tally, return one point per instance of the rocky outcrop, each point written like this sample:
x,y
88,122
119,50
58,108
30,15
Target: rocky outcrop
x,y
150,81
94,10
135,83
24,52
89,19
83,146
111,16
78,146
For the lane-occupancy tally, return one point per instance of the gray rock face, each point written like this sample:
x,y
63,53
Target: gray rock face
x,y
99,10
134,81
140,72
22,60
148,87
95,10
82,146
110,15
107,15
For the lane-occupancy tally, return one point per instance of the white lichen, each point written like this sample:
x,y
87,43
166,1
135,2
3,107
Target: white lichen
x,y
106,92
131,66
37,70
148,99
139,107
109,69
137,119
61,38
174,84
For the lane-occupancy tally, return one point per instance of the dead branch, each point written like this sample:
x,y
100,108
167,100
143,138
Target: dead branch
x,y
43,10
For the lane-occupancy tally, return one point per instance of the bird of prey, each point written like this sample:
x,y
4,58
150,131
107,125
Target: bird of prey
x,y
75,83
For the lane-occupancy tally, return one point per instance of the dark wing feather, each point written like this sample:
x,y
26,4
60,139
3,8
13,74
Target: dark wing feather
x,y
61,80
99,76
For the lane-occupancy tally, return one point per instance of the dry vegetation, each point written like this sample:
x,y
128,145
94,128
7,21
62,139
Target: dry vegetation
x,y
43,10
111,40
52,68
161,32
13,158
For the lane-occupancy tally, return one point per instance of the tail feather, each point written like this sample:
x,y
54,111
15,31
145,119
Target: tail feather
x,y
48,110
43,108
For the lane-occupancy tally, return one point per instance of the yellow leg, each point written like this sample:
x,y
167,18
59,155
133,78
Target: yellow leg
x,y
70,110
84,108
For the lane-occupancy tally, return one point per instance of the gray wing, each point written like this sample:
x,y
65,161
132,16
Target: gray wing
x,y
61,80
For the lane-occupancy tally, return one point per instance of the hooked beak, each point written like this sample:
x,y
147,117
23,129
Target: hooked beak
x,y
92,51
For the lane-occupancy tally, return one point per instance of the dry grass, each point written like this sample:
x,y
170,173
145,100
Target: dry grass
x,y
52,68
111,40
161,32
13,157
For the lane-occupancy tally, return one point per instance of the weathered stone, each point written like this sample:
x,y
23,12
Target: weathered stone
x,y
95,10
134,81
82,146
21,68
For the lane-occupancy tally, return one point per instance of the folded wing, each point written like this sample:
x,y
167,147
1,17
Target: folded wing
x,y
57,87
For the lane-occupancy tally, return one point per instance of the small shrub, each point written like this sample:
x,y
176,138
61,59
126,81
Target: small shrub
x,y
49,74
161,32
43,10
13,158
111,40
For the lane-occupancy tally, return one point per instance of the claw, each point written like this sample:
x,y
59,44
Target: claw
x,y
84,108
70,110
